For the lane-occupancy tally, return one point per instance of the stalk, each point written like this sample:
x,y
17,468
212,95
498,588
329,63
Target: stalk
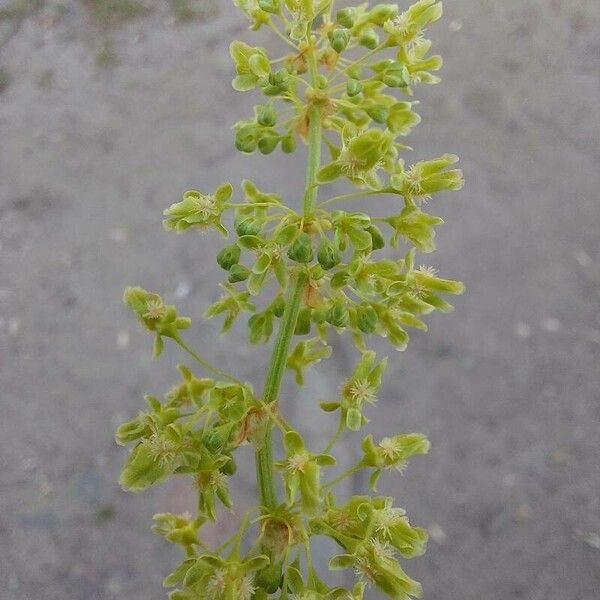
x,y
281,348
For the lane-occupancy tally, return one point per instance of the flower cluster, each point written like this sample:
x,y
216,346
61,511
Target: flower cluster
x,y
344,84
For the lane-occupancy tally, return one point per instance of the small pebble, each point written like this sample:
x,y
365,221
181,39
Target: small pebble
x,y
455,25
28,464
583,258
552,325
183,290
522,330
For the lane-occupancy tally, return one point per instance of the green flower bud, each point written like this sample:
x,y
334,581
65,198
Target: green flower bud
x,y
278,306
397,76
266,115
369,39
338,315
379,14
238,273
346,17
303,322
229,256
288,144
328,256
268,143
366,319
379,113
339,38
246,138
270,6
280,79
378,241
355,72
246,226
353,87
301,250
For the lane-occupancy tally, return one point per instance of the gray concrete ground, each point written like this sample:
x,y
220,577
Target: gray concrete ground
x,y
103,124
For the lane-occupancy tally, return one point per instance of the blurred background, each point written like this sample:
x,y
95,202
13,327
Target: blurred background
x,y
110,109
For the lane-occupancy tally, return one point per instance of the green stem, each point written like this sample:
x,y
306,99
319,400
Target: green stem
x,y
314,159
348,473
211,368
264,455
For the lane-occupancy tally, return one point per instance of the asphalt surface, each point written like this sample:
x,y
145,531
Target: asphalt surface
x,y
97,137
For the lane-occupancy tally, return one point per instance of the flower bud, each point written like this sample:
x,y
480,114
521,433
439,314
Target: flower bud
x,y
328,256
269,6
246,226
301,250
381,13
397,76
339,38
280,79
353,87
238,273
366,319
278,306
268,143
346,17
246,138
288,144
379,113
266,115
378,241
303,322
229,256
369,39
337,315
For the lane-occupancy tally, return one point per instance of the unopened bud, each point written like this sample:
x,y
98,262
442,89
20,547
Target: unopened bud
x,y
246,226
266,115
229,256
270,6
246,138
378,241
268,143
346,17
353,87
301,250
303,322
339,38
337,315
397,77
288,144
238,273
369,39
379,113
366,319
328,256
280,79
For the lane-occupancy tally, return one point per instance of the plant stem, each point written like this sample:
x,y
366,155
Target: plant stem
x,y
314,159
211,368
264,455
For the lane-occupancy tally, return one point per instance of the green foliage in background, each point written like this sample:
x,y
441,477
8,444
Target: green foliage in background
x,y
300,274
